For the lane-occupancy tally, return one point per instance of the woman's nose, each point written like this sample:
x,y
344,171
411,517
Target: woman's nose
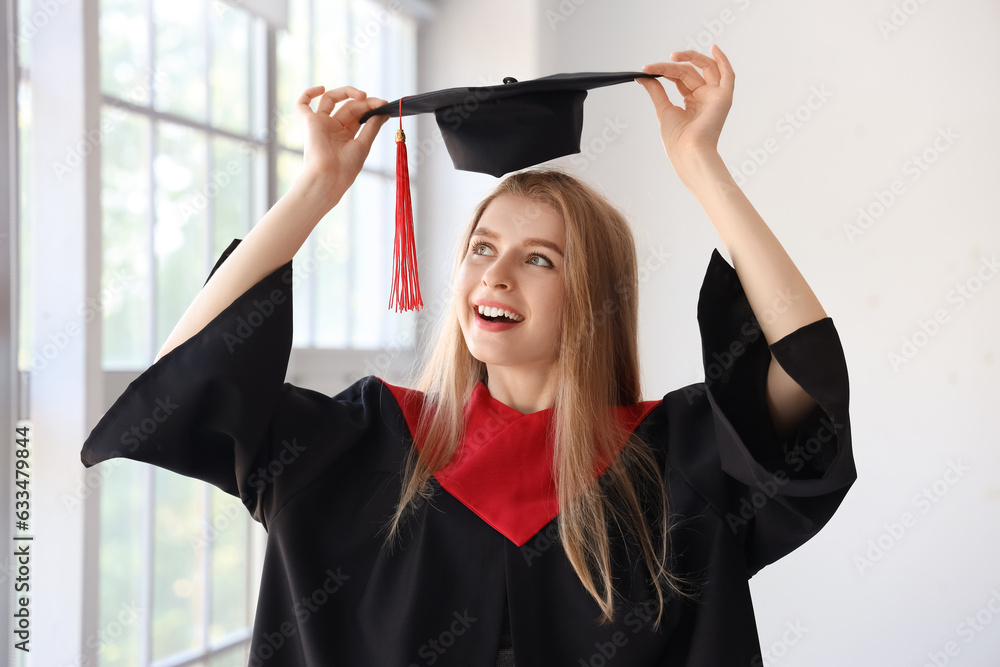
x,y
497,276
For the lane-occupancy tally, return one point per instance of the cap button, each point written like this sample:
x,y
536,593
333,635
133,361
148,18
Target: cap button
x,y
509,79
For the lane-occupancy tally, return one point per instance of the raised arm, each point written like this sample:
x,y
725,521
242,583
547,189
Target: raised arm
x,y
334,152
778,294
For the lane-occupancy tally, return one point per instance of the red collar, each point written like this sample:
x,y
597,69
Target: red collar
x,y
503,469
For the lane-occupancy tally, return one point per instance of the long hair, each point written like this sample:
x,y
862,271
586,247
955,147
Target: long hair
x,y
598,367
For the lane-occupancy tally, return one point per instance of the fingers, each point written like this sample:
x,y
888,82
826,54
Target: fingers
x,y
682,89
681,73
349,113
657,94
725,67
709,68
717,71
374,124
331,98
302,104
328,100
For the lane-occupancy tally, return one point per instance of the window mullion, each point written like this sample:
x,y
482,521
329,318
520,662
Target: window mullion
x,y
349,21
209,206
209,138
387,85
146,555
271,118
206,554
310,243
145,629
153,146
208,534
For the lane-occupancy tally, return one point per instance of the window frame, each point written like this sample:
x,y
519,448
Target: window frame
x,y
72,587
11,76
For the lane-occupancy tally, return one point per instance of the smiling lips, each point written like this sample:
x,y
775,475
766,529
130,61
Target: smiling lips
x,y
492,312
494,318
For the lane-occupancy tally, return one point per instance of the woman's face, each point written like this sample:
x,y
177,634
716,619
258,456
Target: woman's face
x,y
514,263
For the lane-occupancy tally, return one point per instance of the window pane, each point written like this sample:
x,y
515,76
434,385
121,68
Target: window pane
x,y
228,527
234,658
180,233
371,252
294,71
181,57
368,21
177,565
122,492
331,243
125,272
124,47
331,49
229,188
27,28
368,35
230,67
401,75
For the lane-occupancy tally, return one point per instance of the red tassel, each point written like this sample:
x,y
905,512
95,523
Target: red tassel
x,y
405,285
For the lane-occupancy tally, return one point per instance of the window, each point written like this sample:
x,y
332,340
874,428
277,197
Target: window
x,y
191,148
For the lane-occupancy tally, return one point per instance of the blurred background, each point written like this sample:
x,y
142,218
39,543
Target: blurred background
x,y
142,136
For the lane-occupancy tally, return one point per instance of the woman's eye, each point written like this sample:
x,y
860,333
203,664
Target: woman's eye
x,y
482,249
540,260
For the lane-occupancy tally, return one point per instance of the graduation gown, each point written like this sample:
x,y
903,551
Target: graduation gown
x,y
322,474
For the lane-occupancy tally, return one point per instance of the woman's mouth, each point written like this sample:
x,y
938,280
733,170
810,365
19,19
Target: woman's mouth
x,y
490,318
491,314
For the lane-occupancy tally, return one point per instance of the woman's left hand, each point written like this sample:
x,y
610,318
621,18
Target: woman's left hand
x,y
691,131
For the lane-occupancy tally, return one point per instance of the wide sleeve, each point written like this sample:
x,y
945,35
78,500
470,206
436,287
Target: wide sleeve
x,y
204,409
773,493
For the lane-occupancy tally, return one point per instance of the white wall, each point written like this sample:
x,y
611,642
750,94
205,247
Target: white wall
x,y
888,96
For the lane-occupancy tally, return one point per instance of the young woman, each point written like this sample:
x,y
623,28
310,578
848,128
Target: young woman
x,y
523,505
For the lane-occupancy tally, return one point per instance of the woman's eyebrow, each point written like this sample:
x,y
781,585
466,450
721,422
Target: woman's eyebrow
x,y
534,241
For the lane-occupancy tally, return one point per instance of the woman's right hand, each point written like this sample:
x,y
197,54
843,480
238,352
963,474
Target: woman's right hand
x,y
334,150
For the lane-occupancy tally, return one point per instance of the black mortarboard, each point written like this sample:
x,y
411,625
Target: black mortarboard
x,y
503,128
492,130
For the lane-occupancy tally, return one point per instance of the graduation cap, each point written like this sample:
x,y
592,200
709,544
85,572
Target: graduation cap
x,y
491,130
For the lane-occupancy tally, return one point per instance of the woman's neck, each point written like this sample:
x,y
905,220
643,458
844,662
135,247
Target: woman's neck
x,y
524,390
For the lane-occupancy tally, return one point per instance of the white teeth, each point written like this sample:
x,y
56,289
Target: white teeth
x,y
489,311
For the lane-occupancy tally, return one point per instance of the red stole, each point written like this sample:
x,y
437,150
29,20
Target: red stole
x,y
502,471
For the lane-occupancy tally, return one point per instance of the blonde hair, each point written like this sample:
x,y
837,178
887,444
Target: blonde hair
x,y
598,368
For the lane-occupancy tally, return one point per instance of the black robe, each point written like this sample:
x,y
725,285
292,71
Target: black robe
x,y
322,474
